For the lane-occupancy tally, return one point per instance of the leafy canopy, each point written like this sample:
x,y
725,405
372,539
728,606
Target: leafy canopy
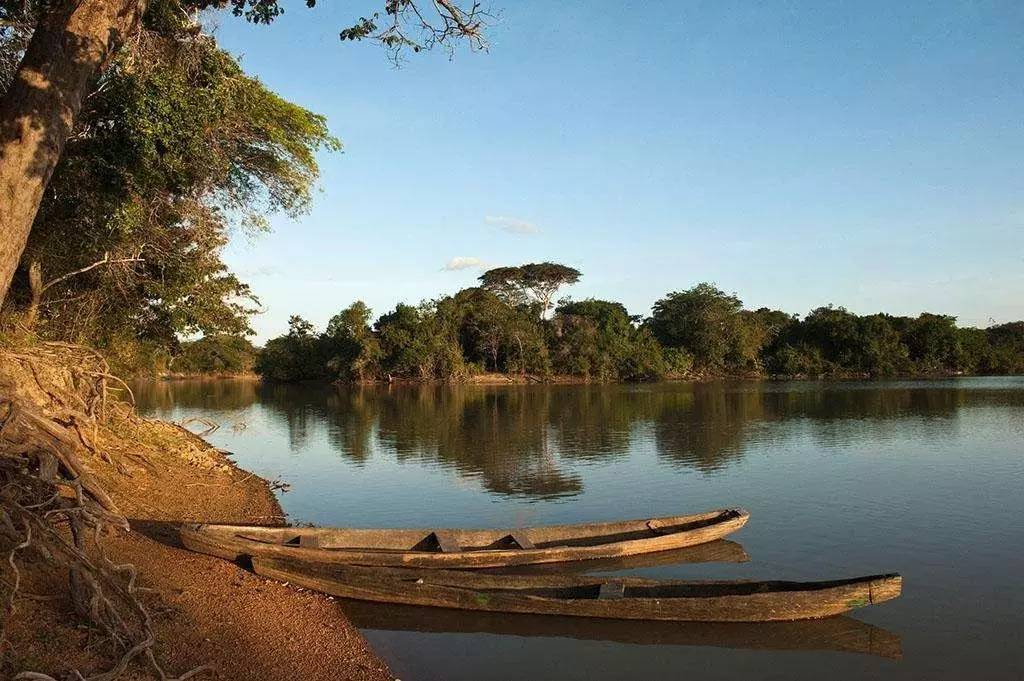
x,y
532,282
176,149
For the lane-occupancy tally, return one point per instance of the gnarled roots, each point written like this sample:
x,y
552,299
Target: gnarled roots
x,y
53,512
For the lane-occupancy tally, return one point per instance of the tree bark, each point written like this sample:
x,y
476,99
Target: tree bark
x,y
69,48
35,285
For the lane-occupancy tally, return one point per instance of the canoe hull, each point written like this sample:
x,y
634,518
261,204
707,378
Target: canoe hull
x,y
483,548
576,596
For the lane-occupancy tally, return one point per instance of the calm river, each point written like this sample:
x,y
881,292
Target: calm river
x,y
925,478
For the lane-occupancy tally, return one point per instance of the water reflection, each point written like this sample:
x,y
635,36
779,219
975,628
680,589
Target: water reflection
x,y
922,477
213,394
528,441
841,634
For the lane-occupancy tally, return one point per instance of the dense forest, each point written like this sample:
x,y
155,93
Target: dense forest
x,y
504,326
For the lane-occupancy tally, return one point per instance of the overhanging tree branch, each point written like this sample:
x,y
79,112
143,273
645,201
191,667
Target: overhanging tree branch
x,y
107,260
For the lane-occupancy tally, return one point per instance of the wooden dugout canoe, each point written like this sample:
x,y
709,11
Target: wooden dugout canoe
x,y
459,548
834,634
589,596
718,551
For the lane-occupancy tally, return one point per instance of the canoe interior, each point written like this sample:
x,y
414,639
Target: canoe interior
x,y
717,551
592,588
433,540
577,587
588,596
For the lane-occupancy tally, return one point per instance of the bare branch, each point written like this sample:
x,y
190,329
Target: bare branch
x,y
105,261
421,25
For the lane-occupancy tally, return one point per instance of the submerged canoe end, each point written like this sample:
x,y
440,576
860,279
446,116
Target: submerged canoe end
x,y
886,588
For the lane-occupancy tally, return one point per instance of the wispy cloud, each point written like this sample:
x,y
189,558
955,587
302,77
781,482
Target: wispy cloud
x,y
261,271
512,225
461,262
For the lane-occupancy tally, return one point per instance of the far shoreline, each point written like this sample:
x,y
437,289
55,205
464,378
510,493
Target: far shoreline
x,y
493,379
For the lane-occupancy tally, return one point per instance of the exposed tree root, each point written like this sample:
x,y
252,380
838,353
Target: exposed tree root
x,y
56,413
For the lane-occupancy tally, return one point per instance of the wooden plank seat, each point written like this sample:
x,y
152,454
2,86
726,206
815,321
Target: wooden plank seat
x,y
611,591
657,527
520,538
446,542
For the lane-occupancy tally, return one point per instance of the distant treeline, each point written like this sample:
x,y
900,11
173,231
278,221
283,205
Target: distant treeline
x,y
502,326
220,354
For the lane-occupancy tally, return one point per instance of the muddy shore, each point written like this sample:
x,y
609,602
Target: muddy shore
x,y
205,611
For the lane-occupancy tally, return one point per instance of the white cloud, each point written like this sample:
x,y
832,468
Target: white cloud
x,y
461,262
512,225
259,272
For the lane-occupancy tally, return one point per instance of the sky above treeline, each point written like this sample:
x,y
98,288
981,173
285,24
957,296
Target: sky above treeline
x,y
796,153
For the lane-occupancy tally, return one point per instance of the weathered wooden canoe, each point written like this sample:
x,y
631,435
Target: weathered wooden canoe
x,y
718,551
588,596
837,634
458,548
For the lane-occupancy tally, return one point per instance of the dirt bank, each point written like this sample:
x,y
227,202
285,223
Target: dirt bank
x,y
204,611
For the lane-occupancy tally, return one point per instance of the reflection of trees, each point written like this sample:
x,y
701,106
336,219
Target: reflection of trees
x,y
707,426
497,435
494,435
215,394
842,414
302,409
522,440
702,426
351,414
595,421
863,402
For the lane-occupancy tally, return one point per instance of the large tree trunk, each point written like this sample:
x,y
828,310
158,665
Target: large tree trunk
x,y
68,50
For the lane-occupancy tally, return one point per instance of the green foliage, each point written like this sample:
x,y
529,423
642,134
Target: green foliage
x,y
487,327
704,320
217,354
796,360
835,333
598,339
402,342
700,331
355,353
678,362
1007,348
534,283
975,351
932,341
421,342
645,360
299,355
175,149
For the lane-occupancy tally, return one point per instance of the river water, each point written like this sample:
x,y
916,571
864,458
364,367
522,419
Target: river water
x,y
925,478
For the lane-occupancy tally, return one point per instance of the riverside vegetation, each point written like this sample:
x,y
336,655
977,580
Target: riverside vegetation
x,y
501,326
131,148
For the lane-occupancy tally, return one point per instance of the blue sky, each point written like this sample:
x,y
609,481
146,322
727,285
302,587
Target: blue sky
x,y
796,153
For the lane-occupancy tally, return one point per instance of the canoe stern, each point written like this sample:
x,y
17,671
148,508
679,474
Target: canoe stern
x,y
885,588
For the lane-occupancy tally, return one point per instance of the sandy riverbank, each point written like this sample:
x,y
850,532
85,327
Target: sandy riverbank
x,y
204,611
